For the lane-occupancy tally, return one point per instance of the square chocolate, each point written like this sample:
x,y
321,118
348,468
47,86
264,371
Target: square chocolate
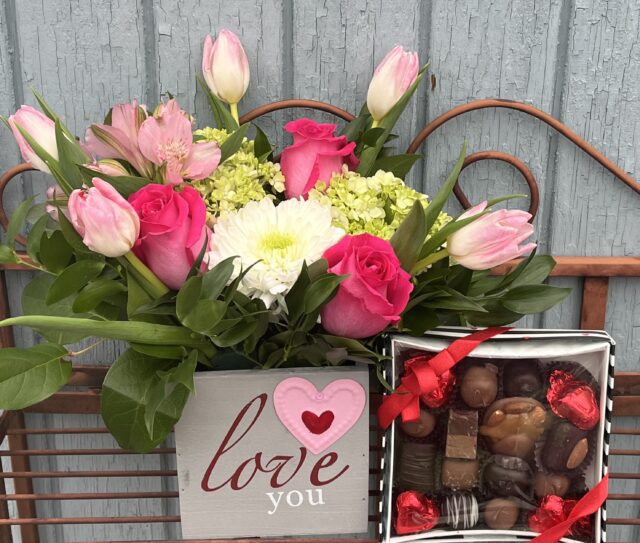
x,y
462,434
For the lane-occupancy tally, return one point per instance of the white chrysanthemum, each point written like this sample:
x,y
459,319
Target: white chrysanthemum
x,y
276,240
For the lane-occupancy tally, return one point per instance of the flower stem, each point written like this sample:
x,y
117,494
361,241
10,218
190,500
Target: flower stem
x,y
427,261
31,265
153,285
234,112
375,124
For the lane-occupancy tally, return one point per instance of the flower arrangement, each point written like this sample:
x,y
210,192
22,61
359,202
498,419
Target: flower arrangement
x,y
192,244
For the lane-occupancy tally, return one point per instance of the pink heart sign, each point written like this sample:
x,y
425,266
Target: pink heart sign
x,y
318,419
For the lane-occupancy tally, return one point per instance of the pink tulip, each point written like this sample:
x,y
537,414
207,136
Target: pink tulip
x,y
492,239
107,223
393,76
40,128
108,167
225,67
120,139
168,139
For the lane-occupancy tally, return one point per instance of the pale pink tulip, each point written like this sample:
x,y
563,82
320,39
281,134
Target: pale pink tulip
x,y
167,139
393,76
225,67
41,129
109,167
107,223
491,240
120,138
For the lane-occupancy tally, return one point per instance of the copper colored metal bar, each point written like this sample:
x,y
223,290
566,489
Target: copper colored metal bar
x,y
78,452
626,432
4,180
624,452
624,521
22,485
616,475
626,406
89,496
56,431
6,332
509,159
585,266
77,474
594,303
295,103
86,402
534,112
623,497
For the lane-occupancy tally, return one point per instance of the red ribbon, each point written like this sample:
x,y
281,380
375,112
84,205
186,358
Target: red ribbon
x,y
587,505
422,377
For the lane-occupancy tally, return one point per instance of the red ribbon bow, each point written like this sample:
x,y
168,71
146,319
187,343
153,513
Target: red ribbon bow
x,y
422,377
587,505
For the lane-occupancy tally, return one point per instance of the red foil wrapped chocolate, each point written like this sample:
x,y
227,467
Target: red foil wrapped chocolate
x,y
572,399
441,395
415,513
553,510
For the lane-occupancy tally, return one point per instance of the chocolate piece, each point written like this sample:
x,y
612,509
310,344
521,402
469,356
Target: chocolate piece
x,y
479,385
462,434
565,448
460,474
507,476
545,484
522,378
421,427
416,467
501,513
512,425
460,510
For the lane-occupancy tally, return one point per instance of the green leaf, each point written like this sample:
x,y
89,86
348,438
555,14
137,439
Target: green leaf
x,y
407,240
233,143
370,137
73,279
70,154
354,130
126,185
126,393
168,352
188,296
17,220
33,303
261,146
534,270
28,376
527,299
72,237
222,115
204,315
419,320
214,281
55,253
496,315
35,236
139,332
321,291
7,255
440,199
398,165
137,296
294,299
96,292
236,335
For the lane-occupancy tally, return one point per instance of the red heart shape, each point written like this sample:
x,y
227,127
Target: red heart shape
x,y
317,424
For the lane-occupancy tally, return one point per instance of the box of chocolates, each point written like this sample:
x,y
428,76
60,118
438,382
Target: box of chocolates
x,y
497,435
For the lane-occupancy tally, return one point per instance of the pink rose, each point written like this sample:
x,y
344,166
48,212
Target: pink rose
x,y
316,154
172,230
375,292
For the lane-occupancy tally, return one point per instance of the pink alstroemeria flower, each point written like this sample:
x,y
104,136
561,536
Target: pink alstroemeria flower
x,y
167,139
120,138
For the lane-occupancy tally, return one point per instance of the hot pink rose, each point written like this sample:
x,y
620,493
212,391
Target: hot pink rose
x,y
375,292
316,154
172,230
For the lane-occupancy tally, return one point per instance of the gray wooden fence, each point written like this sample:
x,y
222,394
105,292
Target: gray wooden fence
x,y
578,59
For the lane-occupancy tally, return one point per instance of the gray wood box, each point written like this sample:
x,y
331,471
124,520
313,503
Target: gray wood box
x,y
242,473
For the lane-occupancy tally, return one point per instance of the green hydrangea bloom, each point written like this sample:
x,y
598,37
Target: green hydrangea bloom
x,y
240,179
376,204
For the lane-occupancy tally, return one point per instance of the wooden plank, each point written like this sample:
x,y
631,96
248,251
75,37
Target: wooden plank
x,y
594,303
